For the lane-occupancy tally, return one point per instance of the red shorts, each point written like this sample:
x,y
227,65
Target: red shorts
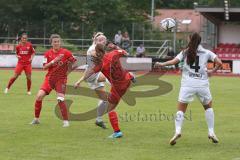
x,y
20,67
117,91
59,86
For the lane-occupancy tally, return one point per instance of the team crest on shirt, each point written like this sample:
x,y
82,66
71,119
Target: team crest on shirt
x,y
60,63
28,48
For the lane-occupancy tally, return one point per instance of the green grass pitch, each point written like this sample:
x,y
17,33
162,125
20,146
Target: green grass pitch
x,y
144,138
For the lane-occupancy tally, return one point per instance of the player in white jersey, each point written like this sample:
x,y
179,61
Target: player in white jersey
x,y
93,83
194,82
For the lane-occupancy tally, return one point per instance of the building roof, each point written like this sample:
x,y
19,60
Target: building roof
x,y
217,14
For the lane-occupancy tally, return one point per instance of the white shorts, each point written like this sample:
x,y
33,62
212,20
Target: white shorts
x,y
186,95
92,81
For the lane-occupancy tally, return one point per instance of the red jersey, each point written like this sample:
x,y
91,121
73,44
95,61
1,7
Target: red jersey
x,y
24,52
59,68
112,69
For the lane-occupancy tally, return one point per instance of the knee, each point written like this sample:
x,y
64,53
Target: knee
x,y
104,98
102,102
206,106
60,99
40,96
111,107
28,77
16,76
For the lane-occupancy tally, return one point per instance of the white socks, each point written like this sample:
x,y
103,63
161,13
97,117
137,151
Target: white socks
x,y
178,122
102,108
210,120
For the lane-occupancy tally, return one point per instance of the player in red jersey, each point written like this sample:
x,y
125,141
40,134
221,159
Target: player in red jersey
x,y
58,62
109,64
25,53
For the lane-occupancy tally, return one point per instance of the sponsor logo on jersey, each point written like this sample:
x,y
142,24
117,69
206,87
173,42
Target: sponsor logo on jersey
x,y
23,52
195,75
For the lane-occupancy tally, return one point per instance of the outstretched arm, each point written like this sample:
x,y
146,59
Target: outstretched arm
x,y
167,63
86,74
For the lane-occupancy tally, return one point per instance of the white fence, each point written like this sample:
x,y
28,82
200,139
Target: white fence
x,y
155,48
129,63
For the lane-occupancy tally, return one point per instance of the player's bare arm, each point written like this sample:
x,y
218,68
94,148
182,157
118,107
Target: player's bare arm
x,y
171,62
32,57
18,57
57,59
87,73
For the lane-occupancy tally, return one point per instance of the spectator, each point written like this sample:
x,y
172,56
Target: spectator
x,y
140,51
118,38
126,43
170,53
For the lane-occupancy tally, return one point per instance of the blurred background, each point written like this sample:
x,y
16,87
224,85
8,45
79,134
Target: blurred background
x,y
76,20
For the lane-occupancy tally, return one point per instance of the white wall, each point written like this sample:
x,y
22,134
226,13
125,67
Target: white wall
x,y
130,63
10,61
229,33
236,67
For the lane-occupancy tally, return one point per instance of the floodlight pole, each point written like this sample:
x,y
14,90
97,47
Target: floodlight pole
x,y
174,35
152,10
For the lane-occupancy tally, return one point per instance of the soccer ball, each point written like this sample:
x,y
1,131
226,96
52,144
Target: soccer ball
x,y
168,24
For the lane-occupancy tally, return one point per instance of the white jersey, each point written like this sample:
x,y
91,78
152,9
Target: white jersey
x,y
92,80
90,63
196,75
90,50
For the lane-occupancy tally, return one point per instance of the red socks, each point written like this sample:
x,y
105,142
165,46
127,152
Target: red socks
x,y
29,82
38,107
113,118
11,81
62,105
63,109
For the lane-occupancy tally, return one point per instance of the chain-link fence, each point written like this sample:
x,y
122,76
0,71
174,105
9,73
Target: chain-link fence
x,y
78,38
139,31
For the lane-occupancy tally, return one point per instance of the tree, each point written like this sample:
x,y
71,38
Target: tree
x,y
71,17
68,16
